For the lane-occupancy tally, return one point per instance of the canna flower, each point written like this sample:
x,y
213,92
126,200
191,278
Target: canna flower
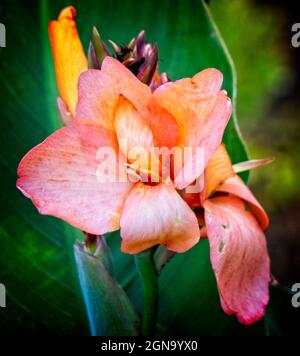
x,y
115,110
235,222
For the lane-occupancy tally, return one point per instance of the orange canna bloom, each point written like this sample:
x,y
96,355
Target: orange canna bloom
x,y
69,58
121,105
116,112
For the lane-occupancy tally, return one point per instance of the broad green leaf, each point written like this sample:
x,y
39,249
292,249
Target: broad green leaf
x,y
109,309
37,263
189,300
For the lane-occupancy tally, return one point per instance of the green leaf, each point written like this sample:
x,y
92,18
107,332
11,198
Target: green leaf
x,y
109,309
216,54
189,300
37,263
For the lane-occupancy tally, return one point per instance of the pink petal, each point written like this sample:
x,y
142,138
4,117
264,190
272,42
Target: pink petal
x,y
61,177
157,215
98,93
202,112
237,187
239,258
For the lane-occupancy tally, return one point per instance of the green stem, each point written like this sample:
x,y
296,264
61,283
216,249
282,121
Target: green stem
x,y
149,277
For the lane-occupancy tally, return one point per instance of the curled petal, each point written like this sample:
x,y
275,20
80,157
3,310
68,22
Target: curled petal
x,y
131,129
239,258
157,215
135,140
237,187
218,169
62,178
201,111
69,58
65,116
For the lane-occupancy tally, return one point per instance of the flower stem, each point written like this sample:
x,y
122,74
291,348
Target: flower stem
x,y
149,277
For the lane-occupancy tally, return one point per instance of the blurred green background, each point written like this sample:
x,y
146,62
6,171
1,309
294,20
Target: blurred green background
x,y
37,263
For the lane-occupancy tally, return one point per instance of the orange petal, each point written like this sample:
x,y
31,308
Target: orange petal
x,y
157,215
69,58
135,140
218,169
163,126
237,187
131,128
202,111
